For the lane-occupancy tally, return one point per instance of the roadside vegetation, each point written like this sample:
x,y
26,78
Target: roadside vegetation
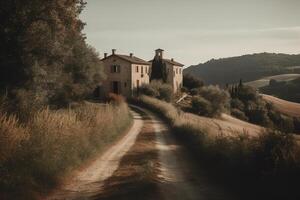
x,y
36,153
241,101
271,160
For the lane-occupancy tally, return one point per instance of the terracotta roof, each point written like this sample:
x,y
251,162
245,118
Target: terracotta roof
x,y
172,62
133,59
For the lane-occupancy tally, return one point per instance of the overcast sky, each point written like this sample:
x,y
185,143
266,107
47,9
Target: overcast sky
x,y
193,31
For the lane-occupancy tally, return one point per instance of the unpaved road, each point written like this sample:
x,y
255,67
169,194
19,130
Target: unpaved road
x,y
148,163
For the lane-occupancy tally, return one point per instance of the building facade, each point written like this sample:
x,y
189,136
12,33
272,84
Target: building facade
x,y
126,73
174,70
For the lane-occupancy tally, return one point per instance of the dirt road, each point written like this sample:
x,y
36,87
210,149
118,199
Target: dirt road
x,y
148,163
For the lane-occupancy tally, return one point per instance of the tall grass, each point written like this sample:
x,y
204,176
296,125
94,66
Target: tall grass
x,y
36,153
270,160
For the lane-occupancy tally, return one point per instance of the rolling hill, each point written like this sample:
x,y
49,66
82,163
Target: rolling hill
x,y
289,108
266,80
247,67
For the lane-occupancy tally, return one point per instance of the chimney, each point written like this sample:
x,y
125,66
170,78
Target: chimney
x,y
131,55
113,51
172,59
105,55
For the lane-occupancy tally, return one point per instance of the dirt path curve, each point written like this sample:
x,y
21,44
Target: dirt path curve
x,y
157,167
89,181
180,176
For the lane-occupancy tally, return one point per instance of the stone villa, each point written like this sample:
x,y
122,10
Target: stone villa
x,y
126,73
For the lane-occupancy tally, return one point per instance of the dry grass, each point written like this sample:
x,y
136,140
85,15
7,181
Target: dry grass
x,y
35,154
270,159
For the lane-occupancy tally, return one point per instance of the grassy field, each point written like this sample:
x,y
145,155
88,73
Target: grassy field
x,y
35,154
265,81
268,163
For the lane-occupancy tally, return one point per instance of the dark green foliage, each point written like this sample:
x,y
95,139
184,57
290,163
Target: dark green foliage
x,y
297,124
194,91
191,82
43,51
149,90
246,100
159,70
158,90
166,92
239,114
210,101
218,98
289,90
237,104
249,67
201,106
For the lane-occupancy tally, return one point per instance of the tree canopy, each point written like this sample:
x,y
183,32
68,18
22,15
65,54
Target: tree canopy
x,y
43,49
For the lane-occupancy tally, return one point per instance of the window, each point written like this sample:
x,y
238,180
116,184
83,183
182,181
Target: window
x,y
179,71
176,70
125,84
137,69
146,70
115,69
142,69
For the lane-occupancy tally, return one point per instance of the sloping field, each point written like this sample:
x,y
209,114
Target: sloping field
x,y
265,81
227,125
289,108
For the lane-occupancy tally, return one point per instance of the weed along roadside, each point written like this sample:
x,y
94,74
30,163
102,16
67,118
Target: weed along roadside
x,y
263,167
38,154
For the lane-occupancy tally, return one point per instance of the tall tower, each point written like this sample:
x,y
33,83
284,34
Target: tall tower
x,y
159,53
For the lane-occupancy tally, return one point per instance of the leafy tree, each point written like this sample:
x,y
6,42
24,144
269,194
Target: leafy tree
x,y
159,70
43,49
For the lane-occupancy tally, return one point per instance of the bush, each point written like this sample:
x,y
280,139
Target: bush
x,y
218,98
149,90
194,91
166,93
297,124
237,104
158,90
202,107
239,114
192,82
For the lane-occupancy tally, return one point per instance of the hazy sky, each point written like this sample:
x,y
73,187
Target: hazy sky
x,y
193,31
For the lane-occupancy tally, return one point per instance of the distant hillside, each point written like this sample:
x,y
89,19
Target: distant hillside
x,y
287,90
247,67
266,80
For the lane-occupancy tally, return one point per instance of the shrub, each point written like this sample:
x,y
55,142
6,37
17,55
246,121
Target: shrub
x,y
159,90
297,124
237,104
194,91
166,92
192,82
218,98
201,106
149,90
239,114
